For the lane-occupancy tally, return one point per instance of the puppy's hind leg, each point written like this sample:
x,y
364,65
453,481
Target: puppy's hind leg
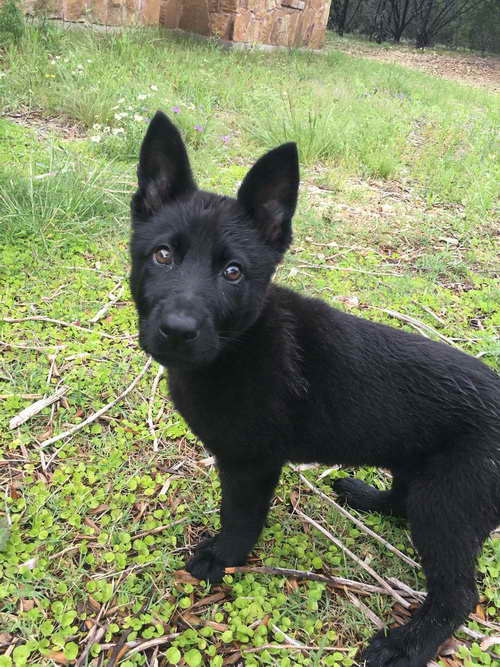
x,y
451,510
362,496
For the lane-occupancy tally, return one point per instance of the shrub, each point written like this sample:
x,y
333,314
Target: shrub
x,y
11,22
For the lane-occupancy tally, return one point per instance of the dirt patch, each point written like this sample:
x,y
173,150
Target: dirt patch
x,y
45,125
476,70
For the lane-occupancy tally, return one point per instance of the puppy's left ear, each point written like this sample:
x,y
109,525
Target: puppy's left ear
x,y
269,194
163,173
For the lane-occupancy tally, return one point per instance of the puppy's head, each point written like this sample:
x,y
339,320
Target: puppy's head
x,y
202,263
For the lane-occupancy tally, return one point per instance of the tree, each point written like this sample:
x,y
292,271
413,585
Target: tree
x,y
378,17
432,16
343,13
402,13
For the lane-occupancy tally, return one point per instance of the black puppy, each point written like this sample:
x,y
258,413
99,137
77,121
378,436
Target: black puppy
x,y
263,376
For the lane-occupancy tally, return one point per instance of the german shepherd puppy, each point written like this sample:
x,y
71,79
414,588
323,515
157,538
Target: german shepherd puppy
x,y
264,375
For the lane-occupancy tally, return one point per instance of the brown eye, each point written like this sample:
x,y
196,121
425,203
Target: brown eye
x,y
163,255
232,273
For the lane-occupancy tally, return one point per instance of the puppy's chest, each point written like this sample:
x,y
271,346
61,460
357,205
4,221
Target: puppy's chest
x,y
225,415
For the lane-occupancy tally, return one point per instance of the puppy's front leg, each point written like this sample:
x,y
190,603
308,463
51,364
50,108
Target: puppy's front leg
x,y
246,494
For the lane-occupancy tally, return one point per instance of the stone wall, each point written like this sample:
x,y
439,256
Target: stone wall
x,y
278,22
105,12
289,23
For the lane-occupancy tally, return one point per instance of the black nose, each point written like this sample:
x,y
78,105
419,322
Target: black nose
x,y
180,327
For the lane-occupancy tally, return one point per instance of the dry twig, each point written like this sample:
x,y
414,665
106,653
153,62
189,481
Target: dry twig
x,y
357,521
38,348
23,396
159,529
348,269
288,640
62,323
37,407
288,647
94,416
151,424
142,646
370,615
355,558
336,582
416,324
113,299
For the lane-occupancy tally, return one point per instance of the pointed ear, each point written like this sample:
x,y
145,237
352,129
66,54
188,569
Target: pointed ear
x,y
269,194
163,173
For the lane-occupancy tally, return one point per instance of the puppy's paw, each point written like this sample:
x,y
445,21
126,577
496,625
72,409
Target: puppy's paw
x,y
356,493
205,563
391,650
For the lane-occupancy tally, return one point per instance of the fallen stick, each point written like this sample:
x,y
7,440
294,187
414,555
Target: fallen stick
x,y
159,529
23,396
92,638
355,558
417,324
151,424
370,615
289,647
93,417
37,407
106,274
113,299
489,641
488,624
432,313
417,595
38,348
357,521
142,646
62,323
349,269
336,582
288,640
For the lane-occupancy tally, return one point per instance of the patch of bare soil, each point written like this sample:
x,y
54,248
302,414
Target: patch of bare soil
x,y
45,124
476,70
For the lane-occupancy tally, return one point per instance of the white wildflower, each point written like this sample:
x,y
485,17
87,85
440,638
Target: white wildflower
x,y
138,118
155,88
95,139
142,97
118,130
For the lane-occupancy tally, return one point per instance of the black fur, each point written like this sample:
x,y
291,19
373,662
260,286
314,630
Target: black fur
x,y
264,375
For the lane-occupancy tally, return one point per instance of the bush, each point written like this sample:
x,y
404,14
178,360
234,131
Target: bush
x,y
11,22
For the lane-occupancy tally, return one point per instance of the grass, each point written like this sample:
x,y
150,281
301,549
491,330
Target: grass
x,y
397,213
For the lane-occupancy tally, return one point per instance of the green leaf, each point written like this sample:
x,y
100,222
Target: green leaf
x,y
193,658
71,650
21,654
173,655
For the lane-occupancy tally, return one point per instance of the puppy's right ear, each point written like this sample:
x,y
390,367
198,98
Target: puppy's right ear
x,y
163,173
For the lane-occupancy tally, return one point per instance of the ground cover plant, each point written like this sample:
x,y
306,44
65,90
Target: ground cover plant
x,y
396,221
